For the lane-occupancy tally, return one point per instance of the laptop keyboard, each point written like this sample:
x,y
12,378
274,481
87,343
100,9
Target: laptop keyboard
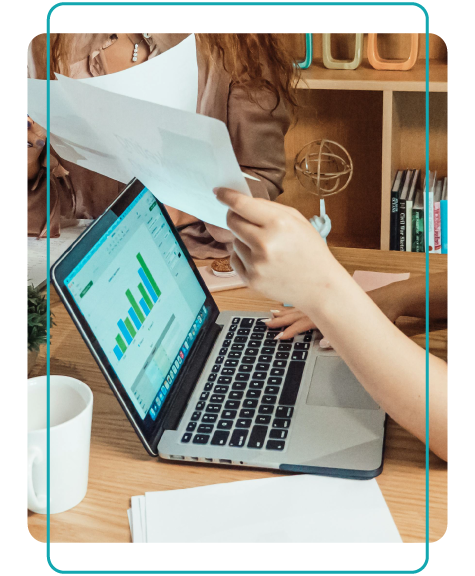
x,y
249,398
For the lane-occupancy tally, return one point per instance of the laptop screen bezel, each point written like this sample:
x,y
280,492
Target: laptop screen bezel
x,y
147,431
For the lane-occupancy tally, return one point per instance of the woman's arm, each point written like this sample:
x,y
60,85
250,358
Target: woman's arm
x,y
271,241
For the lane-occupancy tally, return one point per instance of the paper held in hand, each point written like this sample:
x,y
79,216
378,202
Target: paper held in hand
x,y
123,126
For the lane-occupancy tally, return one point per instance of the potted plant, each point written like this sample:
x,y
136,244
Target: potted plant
x,y
36,324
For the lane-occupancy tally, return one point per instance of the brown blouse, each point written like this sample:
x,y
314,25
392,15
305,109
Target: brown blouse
x,y
257,135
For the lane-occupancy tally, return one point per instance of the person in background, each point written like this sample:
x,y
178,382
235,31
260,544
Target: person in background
x,y
271,245
245,80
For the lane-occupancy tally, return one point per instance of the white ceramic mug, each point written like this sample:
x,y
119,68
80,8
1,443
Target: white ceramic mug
x,y
70,437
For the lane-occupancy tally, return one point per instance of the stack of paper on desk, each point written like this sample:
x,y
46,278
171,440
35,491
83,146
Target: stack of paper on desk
x,y
143,123
300,508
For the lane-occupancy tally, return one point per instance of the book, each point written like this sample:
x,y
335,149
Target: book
x,y
402,210
444,219
428,192
409,203
418,223
394,217
437,231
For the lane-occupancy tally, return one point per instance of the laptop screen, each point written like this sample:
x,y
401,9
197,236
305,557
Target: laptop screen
x,y
142,300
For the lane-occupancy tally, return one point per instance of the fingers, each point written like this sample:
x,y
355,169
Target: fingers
x,y
36,137
285,319
238,266
295,328
243,230
244,253
254,210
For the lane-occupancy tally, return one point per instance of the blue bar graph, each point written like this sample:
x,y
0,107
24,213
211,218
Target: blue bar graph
x,y
145,308
135,318
118,352
147,285
125,332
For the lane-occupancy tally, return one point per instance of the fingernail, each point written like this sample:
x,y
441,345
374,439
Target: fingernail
x,y
29,124
30,145
279,336
324,343
267,321
275,311
40,142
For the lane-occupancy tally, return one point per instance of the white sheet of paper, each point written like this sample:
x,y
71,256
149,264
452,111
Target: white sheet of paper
x,y
37,251
372,280
137,531
311,509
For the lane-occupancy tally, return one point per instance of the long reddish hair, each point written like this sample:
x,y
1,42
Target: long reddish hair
x,y
257,61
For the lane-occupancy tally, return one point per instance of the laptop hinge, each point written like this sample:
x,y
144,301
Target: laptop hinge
x,y
184,387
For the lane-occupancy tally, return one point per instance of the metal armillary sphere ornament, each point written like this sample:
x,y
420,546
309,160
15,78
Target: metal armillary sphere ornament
x,y
324,168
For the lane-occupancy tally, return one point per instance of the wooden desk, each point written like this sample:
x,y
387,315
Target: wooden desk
x,y
120,467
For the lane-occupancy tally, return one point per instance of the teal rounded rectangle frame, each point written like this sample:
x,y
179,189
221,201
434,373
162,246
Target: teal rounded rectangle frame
x,y
48,326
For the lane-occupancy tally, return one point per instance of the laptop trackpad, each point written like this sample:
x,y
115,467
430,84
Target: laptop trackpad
x,y
334,385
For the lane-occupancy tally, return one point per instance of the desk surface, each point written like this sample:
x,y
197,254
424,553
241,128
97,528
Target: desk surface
x,y
120,467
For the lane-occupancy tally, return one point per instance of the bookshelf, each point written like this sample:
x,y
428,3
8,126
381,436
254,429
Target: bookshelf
x,y
379,117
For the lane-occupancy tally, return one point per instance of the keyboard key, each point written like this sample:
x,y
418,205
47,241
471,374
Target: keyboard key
x,y
213,408
220,438
292,382
301,346
219,360
228,371
234,355
247,413
299,355
200,439
217,398
267,399
186,437
243,332
242,377
229,335
247,322
231,363
270,343
275,445
259,376
191,427
239,385
260,321
235,320
259,328
258,435
233,328
205,428
223,351
200,405
257,336
251,352
208,386
218,389
281,423
272,390
238,437
279,363
307,338
225,424
229,414
282,355
246,368
243,423
224,380
232,405
252,393
209,418
240,339
256,384
274,381
237,347
250,403
249,359
276,372
235,395
204,396
265,358
284,412
268,350
284,347
266,409
212,377
278,434
226,343
263,419
263,367
195,416
254,344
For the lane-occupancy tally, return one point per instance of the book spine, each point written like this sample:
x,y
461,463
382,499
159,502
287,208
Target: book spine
x,y
429,219
402,225
394,223
443,226
437,235
408,225
418,230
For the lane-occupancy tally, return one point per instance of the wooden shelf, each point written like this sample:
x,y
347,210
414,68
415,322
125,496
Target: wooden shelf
x,y
367,78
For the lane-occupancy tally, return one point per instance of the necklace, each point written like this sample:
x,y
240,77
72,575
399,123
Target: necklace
x,y
136,47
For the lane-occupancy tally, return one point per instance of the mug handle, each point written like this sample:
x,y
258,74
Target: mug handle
x,y
34,502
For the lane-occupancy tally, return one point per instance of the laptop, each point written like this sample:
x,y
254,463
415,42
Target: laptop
x,y
202,385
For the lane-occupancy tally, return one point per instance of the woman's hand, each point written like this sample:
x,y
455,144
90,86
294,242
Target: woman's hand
x,y
276,250
36,143
292,321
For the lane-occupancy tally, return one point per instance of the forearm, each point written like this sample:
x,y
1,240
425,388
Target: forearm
x,y
388,364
